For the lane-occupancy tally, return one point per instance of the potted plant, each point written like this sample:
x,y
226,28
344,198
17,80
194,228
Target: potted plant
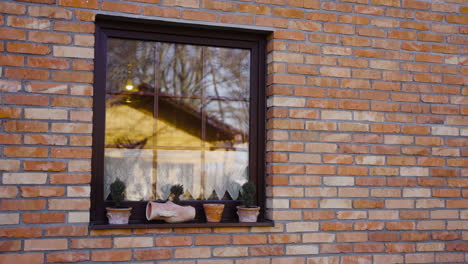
x,y
248,211
177,190
118,214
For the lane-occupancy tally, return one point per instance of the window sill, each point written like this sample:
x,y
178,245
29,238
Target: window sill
x,y
97,226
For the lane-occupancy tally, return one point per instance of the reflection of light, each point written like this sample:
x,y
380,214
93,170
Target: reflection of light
x,y
129,85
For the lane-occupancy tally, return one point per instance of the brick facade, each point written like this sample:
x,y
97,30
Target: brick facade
x,y
366,134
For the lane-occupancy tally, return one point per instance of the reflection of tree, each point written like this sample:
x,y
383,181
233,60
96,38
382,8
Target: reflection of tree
x,y
125,142
205,83
186,72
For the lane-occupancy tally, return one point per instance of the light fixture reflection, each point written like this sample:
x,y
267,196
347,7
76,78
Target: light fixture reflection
x,y
129,85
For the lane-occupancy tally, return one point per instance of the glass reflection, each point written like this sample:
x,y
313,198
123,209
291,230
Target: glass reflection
x,y
129,61
227,72
176,114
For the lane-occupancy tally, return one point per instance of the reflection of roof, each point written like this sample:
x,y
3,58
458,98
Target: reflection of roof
x,y
182,115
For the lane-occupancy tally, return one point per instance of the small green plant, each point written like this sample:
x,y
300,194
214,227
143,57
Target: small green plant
x,y
248,194
117,190
177,190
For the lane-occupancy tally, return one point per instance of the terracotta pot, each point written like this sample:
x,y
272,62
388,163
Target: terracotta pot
x,y
213,212
118,216
248,214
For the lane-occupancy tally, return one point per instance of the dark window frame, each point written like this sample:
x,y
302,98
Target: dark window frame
x,y
130,28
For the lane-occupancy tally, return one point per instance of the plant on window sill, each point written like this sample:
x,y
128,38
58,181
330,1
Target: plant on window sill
x,y
118,214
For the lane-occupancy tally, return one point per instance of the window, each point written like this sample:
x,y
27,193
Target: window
x,y
177,104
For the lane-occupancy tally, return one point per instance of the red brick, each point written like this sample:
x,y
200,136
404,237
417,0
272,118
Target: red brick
x,y
368,225
121,7
28,48
93,4
21,232
11,245
70,256
11,60
20,73
212,240
399,247
66,231
414,214
15,205
337,248
63,76
218,5
270,21
236,19
367,204
30,258
8,192
173,241
78,27
400,225
449,257
164,12
266,251
198,15
69,204
42,191
445,236
114,255
290,13
457,246
12,8
367,248
35,165
383,236
337,7
48,63
79,65
70,153
318,215
49,2
9,139
463,203
25,126
291,35
152,254
30,23
70,178
42,218
330,226
12,34
91,243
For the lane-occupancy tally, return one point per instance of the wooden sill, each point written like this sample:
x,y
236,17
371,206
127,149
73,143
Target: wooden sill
x,y
96,226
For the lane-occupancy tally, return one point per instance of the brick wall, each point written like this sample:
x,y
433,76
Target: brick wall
x,y
366,133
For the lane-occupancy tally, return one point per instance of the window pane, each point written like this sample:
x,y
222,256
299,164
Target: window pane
x,y
134,167
230,118
227,72
179,167
179,69
129,62
179,122
176,114
129,138
226,171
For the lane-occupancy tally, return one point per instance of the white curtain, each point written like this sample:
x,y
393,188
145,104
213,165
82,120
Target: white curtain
x,y
225,171
132,166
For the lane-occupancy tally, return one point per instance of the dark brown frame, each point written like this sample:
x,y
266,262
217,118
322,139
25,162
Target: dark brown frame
x,y
130,28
